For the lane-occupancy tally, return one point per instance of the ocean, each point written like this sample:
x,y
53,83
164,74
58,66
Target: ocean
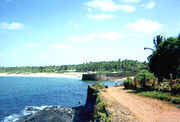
x,y
17,94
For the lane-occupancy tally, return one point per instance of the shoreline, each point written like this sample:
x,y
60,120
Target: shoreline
x,y
63,75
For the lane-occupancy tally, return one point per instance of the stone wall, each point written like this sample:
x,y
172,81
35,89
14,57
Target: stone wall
x,y
94,77
105,77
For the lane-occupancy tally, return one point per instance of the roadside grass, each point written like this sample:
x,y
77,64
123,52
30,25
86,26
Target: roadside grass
x,y
100,113
161,95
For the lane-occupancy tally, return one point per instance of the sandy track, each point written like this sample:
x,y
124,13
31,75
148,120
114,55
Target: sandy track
x,y
142,108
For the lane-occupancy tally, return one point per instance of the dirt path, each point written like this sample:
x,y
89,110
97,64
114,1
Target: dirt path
x,y
127,106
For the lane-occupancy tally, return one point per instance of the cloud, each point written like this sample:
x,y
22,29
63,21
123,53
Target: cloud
x,y
97,36
90,10
100,16
11,26
111,35
150,5
31,45
73,24
145,26
77,39
76,25
132,1
15,51
85,38
108,5
61,46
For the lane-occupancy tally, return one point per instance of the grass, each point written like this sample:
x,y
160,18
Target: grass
x,y
101,114
161,95
99,86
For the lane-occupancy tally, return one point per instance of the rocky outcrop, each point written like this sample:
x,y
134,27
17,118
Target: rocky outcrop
x,y
65,114
51,114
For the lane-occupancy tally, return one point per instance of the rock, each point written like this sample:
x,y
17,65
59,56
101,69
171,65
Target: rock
x,y
50,114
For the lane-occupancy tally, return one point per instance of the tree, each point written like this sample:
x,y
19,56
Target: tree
x,y
166,58
157,41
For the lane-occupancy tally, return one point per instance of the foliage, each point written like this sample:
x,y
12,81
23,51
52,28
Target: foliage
x,y
155,94
144,74
103,66
166,59
100,114
99,86
162,96
157,41
128,83
143,80
175,88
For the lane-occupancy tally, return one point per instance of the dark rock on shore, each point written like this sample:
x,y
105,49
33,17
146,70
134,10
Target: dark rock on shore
x,y
50,114
64,114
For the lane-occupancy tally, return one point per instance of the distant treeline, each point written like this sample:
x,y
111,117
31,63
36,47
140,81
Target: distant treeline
x,y
102,67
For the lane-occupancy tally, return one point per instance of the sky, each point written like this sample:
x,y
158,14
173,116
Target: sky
x,y
58,32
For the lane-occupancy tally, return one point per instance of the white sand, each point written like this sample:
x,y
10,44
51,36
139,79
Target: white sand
x,y
66,75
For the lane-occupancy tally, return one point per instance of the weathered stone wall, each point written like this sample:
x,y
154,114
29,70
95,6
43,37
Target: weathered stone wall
x,y
94,77
105,77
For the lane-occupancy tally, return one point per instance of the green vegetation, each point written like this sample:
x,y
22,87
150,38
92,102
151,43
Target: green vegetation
x,y
162,96
165,60
128,83
164,63
100,114
143,79
156,94
144,74
98,86
99,67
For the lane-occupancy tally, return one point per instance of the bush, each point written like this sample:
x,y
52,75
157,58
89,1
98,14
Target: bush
x,y
144,74
175,88
100,114
162,96
128,83
155,94
144,79
175,100
98,86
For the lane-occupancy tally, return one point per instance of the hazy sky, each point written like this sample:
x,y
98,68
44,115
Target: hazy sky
x,y
56,32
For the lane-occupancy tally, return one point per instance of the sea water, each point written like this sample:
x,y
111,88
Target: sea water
x,y
19,93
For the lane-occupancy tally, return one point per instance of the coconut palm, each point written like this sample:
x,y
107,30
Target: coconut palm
x,y
157,40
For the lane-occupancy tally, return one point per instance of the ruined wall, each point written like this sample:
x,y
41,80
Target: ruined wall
x,y
94,77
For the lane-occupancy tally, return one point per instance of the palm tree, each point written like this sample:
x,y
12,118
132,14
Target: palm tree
x,y
157,40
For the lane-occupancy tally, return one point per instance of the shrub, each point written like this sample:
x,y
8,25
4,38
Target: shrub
x,y
144,74
100,114
175,88
128,83
145,80
98,86
155,94
175,100
162,96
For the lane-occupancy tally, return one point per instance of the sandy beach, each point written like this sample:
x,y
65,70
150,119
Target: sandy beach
x,y
66,75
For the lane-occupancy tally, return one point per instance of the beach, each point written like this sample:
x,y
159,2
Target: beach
x,y
66,75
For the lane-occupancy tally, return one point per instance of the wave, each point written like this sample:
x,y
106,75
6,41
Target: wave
x,y
28,110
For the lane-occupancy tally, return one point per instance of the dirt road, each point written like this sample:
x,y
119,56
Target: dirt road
x,y
126,106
